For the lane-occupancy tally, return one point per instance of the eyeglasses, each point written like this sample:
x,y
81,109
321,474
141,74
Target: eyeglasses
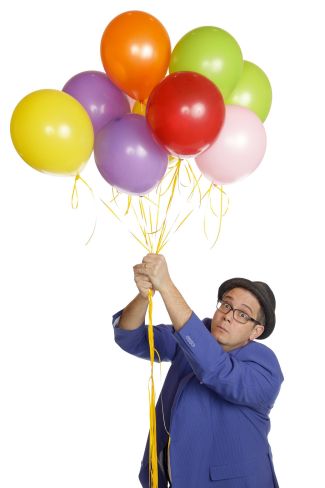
x,y
239,315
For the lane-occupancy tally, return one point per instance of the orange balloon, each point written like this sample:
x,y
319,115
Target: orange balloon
x,y
135,51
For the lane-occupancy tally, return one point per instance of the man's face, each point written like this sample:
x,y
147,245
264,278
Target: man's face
x,y
226,330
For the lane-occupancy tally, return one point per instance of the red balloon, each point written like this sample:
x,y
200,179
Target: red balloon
x,y
185,112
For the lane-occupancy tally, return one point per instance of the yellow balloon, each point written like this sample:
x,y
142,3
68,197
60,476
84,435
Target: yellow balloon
x,y
52,132
139,108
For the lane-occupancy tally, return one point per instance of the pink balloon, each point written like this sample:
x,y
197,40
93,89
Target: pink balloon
x,y
238,150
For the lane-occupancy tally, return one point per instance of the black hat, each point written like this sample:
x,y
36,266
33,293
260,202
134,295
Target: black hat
x,y
264,295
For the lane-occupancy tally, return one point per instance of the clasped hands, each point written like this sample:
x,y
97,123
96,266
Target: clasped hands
x,y
152,274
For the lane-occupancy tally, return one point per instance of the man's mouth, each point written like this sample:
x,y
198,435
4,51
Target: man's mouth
x,y
221,328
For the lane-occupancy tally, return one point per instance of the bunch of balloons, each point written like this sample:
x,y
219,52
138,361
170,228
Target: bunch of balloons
x,y
211,107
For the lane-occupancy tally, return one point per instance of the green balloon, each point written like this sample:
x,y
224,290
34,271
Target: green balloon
x,y
252,91
211,52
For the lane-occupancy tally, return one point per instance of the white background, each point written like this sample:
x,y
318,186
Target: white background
x,y
73,406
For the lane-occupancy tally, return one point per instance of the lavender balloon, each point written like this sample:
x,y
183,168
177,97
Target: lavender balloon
x,y
99,96
128,157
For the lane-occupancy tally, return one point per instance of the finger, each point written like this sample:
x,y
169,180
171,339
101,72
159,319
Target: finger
x,y
140,269
143,281
146,279
146,288
144,291
142,278
140,282
150,258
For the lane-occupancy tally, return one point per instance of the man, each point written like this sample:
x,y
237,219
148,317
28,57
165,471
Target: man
x,y
220,388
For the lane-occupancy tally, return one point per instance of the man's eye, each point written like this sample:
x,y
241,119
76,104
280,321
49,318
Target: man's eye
x,y
226,306
243,315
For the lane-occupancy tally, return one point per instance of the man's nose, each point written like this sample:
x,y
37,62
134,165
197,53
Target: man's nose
x,y
229,316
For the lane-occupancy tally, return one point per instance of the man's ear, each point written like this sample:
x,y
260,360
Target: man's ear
x,y
256,332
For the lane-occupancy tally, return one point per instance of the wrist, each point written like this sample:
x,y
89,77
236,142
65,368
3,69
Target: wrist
x,y
142,298
167,288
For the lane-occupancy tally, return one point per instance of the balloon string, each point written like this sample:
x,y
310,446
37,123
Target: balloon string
x,y
148,224
75,201
220,217
145,221
197,184
162,239
222,212
153,458
74,196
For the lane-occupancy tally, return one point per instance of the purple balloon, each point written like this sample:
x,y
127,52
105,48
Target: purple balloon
x,y
128,157
103,101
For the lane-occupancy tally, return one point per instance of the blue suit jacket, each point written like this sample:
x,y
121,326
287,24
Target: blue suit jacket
x,y
216,407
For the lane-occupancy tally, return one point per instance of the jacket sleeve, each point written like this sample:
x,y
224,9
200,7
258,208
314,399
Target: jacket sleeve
x,y
136,341
251,378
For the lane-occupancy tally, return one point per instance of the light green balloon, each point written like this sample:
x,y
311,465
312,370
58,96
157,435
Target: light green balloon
x,y
211,52
252,91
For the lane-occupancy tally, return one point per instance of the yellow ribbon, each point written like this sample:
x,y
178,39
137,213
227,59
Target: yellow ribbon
x,y
153,458
75,201
222,212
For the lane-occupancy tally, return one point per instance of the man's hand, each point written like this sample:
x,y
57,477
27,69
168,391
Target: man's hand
x,y
143,282
154,269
